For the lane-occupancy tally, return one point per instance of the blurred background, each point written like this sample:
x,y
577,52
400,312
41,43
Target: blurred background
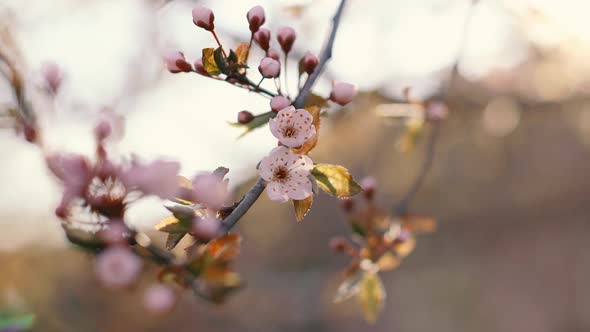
x,y
508,186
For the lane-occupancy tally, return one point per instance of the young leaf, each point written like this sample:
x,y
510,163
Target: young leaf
x,y
242,53
315,100
419,224
17,323
173,225
388,261
403,249
335,180
173,239
371,296
232,57
349,287
209,62
225,248
259,121
302,207
220,60
308,146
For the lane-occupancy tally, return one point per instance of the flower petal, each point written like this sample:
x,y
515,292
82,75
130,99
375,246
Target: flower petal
x,y
277,192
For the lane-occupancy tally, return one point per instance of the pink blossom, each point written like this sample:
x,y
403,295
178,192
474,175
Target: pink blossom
x,y
262,37
269,67
342,92
73,170
278,103
52,75
287,174
369,185
286,37
102,130
309,63
158,178
206,228
115,233
293,127
159,299
437,111
210,190
117,267
256,18
203,17
176,62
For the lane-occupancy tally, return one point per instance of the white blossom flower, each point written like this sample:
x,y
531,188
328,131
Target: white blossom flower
x,y
293,127
287,174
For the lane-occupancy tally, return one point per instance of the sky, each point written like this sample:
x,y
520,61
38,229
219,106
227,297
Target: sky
x,y
111,51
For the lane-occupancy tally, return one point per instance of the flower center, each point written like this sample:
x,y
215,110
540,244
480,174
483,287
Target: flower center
x,y
281,174
289,131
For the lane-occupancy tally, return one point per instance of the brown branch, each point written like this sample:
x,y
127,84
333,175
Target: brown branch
x,y
254,192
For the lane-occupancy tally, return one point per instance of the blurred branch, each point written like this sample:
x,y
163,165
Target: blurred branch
x,y
404,204
254,193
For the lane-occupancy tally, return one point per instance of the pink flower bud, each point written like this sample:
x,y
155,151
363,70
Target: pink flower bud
x,y
269,67
206,229
117,267
102,130
278,103
262,37
159,299
342,93
31,133
203,17
339,244
199,68
369,185
116,233
309,63
436,111
347,204
176,62
256,18
273,54
245,117
286,37
52,75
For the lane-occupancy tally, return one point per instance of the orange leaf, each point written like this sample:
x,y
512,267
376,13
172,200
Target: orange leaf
x,y
302,207
226,247
419,224
242,52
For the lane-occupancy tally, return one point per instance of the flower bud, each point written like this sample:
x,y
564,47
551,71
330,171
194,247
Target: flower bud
x,y
117,267
176,62
52,75
245,117
436,111
369,185
199,68
309,63
272,54
269,68
159,299
203,17
262,37
286,37
342,93
256,18
339,244
206,229
347,204
102,130
31,133
278,103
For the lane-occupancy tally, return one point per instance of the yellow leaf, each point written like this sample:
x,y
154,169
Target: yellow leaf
x,y
184,182
335,180
315,100
173,225
387,261
209,62
302,207
371,296
349,287
308,146
403,249
242,52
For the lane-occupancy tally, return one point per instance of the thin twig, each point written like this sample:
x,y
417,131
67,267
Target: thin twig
x,y
325,55
254,192
404,203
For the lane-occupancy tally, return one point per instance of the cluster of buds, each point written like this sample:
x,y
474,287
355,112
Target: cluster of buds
x,y
379,243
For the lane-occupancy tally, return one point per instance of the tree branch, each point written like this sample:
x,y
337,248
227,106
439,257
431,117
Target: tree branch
x,y
325,55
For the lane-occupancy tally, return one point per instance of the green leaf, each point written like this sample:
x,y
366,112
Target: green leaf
x,y
371,296
173,239
209,62
302,207
335,180
357,229
232,57
258,121
18,323
174,225
220,60
349,287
